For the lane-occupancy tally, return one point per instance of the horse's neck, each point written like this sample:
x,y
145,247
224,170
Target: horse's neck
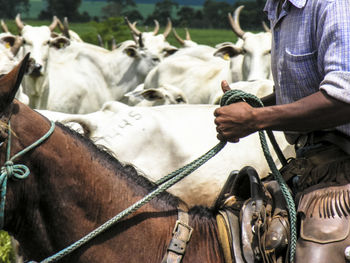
x,y
69,192
72,191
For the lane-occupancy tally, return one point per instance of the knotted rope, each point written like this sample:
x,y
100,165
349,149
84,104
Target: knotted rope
x,y
169,180
17,171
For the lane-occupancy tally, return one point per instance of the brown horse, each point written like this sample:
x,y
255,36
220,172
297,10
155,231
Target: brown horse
x,y
74,187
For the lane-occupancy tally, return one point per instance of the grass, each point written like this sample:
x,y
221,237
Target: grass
x,y
209,37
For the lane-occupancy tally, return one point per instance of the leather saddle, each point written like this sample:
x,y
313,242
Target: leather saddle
x,y
252,219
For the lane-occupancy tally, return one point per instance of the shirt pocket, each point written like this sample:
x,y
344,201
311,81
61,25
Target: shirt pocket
x,y
299,74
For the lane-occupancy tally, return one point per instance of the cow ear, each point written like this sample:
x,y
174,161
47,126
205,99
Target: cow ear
x,y
60,42
10,83
228,51
170,50
9,41
54,34
152,94
131,51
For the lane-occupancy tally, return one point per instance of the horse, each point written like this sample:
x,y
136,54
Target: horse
x,y
74,187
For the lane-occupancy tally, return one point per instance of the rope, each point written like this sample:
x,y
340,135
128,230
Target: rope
x,y
163,185
169,180
233,96
17,171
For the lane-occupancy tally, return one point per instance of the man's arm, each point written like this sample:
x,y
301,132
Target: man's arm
x,y
314,112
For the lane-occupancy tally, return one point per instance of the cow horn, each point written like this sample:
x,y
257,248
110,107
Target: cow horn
x,y
188,36
266,28
178,38
64,28
234,22
156,28
132,27
19,22
54,23
140,41
100,41
4,26
168,27
17,45
114,44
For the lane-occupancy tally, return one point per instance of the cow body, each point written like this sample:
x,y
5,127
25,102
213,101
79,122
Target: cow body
x,y
158,140
195,71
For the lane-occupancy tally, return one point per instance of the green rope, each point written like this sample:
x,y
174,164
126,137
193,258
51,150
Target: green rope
x,y
169,180
173,178
233,96
18,171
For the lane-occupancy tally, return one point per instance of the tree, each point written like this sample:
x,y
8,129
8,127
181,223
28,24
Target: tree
x,y
162,11
63,8
117,7
215,13
10,8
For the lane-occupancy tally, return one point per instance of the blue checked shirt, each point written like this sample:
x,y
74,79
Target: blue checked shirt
x,y
311,49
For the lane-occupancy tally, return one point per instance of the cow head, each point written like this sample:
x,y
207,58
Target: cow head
x,y
37,41
142,58
154,42
255,47
163,95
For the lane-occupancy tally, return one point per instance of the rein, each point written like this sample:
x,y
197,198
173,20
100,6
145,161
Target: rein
x,y
17,171
9,170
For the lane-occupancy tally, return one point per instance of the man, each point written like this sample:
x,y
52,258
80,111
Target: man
x,y
311,71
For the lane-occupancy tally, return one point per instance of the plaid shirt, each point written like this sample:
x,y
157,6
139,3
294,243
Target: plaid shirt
x,y
311,49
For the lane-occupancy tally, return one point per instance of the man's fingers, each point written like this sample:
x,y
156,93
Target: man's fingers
x,y
224,86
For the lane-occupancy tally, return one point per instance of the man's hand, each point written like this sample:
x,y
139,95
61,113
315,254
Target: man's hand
x,y
234,121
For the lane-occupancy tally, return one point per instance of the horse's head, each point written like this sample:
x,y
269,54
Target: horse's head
x,y
9,84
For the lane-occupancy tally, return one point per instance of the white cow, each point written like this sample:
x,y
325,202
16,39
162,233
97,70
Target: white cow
x,y
154,42
196,71
255,49
158,140
9,47
83,76
37,41
77,77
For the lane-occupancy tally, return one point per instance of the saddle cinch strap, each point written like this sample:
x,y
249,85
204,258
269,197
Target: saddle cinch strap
x,y
253,221
181,236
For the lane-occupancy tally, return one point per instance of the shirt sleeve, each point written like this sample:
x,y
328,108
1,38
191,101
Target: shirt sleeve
x,y
334,49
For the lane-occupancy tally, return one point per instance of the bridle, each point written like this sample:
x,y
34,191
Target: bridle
x,y
16,171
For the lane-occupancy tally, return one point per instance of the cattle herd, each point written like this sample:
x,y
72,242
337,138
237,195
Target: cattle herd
x,y
120,98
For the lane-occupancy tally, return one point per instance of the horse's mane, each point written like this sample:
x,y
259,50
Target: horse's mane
x,y
128,171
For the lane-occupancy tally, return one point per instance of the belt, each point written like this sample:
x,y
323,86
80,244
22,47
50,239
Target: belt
x,y
324,138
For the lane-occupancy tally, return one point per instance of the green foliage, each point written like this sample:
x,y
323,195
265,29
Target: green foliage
x,y
117,7
162,11
252,15
113,27
6,251
10,8
64,8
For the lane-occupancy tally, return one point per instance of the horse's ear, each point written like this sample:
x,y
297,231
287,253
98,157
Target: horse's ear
x,y
10,83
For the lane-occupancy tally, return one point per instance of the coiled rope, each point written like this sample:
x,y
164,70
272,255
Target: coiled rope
x,y
169,180
233,96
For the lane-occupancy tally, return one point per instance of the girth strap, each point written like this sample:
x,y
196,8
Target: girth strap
x,y
181,235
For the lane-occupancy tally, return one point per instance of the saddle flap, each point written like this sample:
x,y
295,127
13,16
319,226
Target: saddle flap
x,y
324,230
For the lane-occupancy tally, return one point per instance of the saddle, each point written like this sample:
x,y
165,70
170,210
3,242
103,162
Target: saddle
x,y
252,219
